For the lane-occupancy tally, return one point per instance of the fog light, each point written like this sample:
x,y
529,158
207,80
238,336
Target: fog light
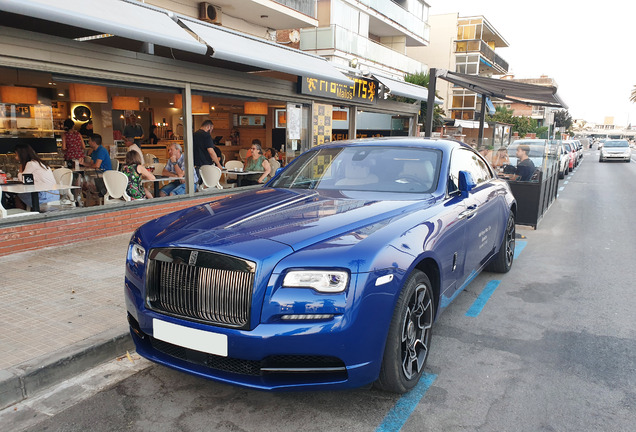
x,y
296,317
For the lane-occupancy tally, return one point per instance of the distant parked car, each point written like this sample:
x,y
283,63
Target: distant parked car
x,y
564,160
571,153
578,150
615,150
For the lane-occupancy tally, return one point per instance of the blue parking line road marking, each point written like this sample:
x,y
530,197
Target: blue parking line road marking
x,y
480,301
519,245
401,411
561,188
566,182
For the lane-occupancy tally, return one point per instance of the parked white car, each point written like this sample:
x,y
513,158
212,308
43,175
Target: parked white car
x,y
564,160
615,150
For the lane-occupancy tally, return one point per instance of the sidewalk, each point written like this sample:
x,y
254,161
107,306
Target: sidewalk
x,y
62,312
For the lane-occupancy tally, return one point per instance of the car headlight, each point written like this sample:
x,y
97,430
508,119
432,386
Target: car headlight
x,y
328,281
137,253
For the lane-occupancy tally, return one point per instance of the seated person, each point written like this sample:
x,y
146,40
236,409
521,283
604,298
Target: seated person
x,y
136,172
256,162
130,145
175,167
30,163
525,166
501,158
99,156
271,156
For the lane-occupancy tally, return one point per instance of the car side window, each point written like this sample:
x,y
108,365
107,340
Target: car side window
x,y
466,160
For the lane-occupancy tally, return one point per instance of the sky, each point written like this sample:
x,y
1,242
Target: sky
x,y
587,47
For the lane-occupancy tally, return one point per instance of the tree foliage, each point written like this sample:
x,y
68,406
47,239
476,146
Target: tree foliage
x,y
520,124
563,119
422,79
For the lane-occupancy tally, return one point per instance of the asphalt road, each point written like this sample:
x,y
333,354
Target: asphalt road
x,y
552,349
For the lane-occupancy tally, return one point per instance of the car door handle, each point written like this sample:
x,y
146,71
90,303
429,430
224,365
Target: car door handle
x,y
469,212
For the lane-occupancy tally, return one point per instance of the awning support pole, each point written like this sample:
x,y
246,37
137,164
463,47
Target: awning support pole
x,y
482,117
430,102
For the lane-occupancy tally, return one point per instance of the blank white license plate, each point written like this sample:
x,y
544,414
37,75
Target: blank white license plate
x,y
199,340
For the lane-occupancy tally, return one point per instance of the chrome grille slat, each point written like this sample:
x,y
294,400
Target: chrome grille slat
x,y
212,295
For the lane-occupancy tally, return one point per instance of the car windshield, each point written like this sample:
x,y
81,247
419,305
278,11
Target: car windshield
x,y
364,168
616,143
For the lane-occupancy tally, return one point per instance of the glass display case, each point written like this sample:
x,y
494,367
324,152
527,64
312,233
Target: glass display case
x,y
32,124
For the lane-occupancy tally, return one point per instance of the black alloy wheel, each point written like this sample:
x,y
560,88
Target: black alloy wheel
x,y
502,262
409,337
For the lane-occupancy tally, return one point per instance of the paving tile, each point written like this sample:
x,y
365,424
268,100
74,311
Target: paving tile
x,y
41,313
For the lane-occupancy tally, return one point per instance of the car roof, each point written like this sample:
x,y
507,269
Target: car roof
x,y
438,143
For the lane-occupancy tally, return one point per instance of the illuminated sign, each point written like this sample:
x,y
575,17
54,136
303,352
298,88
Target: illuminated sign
x,y
360,90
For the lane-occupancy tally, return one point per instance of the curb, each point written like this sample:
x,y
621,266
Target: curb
x,y
26,379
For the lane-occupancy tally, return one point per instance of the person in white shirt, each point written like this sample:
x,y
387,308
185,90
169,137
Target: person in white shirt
x,y
30,163
130,143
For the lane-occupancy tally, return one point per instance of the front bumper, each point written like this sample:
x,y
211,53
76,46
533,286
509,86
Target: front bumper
x,y
343,352
616,156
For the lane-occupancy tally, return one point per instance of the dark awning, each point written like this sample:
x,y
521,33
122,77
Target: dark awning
x,y
530,94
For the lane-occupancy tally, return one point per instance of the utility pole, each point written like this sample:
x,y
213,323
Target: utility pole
x,y
430,102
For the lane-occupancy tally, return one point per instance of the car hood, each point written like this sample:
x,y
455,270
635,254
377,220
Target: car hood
x,y
291,218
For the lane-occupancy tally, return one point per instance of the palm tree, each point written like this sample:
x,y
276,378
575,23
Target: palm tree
x,y
633,96
422,79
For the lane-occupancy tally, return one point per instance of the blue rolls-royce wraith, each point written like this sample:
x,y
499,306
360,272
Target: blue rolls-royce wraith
x,y
329,276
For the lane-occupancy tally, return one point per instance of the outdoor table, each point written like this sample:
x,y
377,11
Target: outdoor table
x,y
240,175
34,191
160,178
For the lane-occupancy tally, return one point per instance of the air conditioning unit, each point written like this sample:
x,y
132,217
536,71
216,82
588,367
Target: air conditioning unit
x,y
210,13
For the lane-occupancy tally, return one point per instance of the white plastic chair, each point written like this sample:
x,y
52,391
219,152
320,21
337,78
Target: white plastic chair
x,y
7,213
158,168
231,179
243,154
210,175
116,183
114,164
149,158
64,176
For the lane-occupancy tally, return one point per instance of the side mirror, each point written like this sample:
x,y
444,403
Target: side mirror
x,y
466,183
279,170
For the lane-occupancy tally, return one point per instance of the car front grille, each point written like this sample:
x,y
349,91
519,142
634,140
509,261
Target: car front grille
x,y
201,286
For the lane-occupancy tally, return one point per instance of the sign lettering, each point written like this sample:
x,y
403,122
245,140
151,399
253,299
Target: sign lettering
x,y
360,90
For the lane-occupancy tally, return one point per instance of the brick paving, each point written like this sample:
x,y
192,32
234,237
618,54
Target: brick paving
x,y
55,297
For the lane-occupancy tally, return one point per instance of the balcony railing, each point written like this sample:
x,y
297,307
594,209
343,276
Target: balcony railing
x,y
307,7
396,13
482,47
341,39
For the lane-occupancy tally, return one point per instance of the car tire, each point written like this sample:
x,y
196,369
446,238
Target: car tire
x,y
409,338
502,262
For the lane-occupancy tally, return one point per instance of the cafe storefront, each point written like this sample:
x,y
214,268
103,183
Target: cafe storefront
x,y
170,85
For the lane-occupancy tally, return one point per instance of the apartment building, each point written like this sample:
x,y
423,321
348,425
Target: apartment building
x,y
370,35
465,45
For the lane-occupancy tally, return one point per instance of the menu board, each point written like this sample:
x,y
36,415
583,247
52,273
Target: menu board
x,y
321,123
